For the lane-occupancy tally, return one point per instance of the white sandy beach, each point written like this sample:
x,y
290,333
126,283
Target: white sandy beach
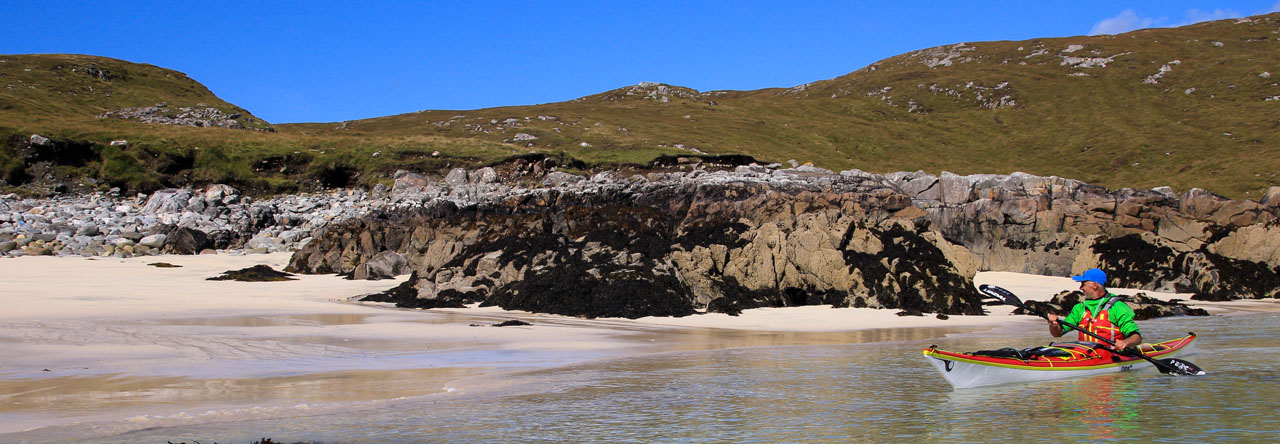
x,y
97,339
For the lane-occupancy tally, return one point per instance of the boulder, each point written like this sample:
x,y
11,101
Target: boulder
x,y
152,241
408,182
267,243
88,230
560,178
384,265
457,177
220,193
183,240
169,200
1271,199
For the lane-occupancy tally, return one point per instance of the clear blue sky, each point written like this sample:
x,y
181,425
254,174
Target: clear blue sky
x,y
321,61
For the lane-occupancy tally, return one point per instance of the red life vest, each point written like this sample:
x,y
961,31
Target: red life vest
x,y
1100,324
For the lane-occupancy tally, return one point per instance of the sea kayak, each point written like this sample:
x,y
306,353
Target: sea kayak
x,y
1055,361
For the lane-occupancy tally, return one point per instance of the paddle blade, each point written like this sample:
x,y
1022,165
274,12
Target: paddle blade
x,y
1176,366
1003,295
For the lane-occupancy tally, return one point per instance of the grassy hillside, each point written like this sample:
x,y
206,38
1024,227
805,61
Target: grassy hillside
x,y
59,90
1197,106
63,97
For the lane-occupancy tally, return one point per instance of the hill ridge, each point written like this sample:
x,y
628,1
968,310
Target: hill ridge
x,y
1182,107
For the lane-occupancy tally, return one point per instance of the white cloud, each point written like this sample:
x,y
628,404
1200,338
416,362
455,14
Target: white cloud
x,y
1125,22
1275,8
1197,16
1128,20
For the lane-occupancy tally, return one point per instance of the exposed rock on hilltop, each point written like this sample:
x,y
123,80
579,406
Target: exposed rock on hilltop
x,y
200,116
673,244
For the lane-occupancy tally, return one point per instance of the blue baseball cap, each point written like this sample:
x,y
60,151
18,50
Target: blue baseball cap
x,y
1092,274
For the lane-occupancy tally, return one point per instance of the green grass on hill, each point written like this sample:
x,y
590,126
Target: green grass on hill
x,y
1184,107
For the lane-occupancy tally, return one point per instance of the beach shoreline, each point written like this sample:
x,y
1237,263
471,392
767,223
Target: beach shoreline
x,y
91,339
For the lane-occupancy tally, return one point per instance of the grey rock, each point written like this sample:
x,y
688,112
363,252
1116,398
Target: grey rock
x,y
485,175
170,200
408,182
153,241
184,240
1271,198
221,193
88,230
265,243
384,265
457,177
196,204
200,116
560,178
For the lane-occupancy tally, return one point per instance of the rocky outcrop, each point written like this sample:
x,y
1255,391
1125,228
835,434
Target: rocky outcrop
x,y
1198,243
177,221
680,243
667,245
199,116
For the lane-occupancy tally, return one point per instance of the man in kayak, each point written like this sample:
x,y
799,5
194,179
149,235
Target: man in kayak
x,y
1101,313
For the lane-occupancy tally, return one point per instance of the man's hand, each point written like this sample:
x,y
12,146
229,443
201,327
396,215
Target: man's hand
x,y
1130,343
1055,328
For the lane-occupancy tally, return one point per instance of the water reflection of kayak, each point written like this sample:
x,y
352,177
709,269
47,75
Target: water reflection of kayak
x,y
1055,361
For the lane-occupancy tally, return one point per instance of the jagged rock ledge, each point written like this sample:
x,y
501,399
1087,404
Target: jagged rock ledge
x,y
678,243
176,221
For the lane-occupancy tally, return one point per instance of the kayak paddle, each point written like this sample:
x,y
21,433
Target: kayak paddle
x,y
1167,366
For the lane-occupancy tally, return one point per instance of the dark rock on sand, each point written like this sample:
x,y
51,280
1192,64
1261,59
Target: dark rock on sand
x,y
510,323
406,296
256,273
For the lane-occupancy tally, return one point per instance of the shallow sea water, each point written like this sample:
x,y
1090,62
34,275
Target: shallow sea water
x,y
865,392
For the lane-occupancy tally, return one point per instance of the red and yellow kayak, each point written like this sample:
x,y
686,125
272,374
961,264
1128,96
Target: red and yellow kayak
x,y
1054,361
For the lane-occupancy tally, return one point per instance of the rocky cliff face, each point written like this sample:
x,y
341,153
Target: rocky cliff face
x,y
1152,239
677,243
